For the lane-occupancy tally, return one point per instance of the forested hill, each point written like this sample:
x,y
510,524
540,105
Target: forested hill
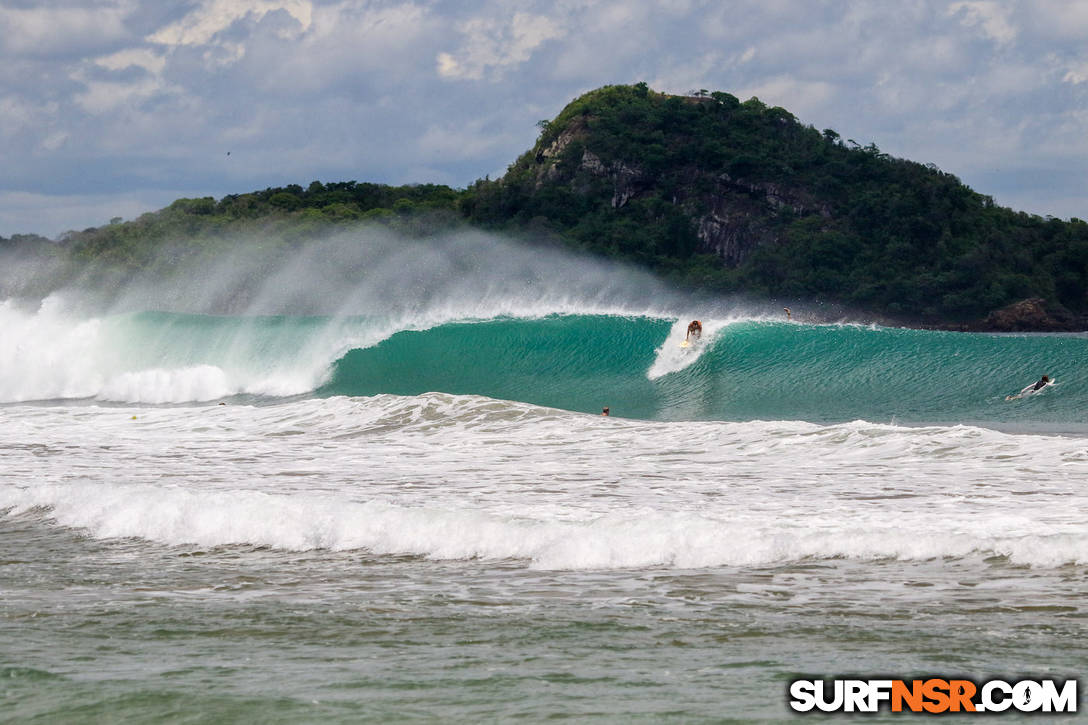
x,y
714,193
743,196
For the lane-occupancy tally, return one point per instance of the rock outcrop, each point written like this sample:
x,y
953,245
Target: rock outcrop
x,y
1027,315
730,221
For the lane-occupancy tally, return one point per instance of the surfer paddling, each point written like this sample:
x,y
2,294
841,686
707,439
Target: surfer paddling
x,y
1031,389
695,330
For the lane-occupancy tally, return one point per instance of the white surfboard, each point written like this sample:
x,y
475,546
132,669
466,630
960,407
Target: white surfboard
x,y
1029,390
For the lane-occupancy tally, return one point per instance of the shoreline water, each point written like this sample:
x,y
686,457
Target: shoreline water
x,y
464,559
366,548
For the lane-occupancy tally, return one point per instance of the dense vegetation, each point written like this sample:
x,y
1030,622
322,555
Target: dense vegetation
x,y
269,224
629,172
277,217
712,192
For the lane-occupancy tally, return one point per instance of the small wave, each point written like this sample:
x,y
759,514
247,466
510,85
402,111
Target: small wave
x,y
669,540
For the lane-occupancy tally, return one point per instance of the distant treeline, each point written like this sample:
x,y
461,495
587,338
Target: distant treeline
x,y
709,191
278,218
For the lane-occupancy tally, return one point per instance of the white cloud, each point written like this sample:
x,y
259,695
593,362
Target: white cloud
x,y
43,30
133,57
1062,135
29,126
937,54
214,16
103,96
496,45
348,49
1060,19
55,140
796,95
460,141
992,17
685,77
1077,73
15,115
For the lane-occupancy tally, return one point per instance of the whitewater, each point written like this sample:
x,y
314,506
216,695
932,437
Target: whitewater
x,y
372,482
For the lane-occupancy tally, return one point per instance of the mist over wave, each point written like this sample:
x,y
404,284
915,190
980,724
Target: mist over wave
x,y
469,313
369,271
275,321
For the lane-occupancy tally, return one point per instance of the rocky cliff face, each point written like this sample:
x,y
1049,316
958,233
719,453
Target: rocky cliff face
x,y
732,217
736,212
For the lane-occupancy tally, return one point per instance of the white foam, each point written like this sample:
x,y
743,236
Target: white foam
x,y
53,353
47,354
461,477
634,540
673,357
201,382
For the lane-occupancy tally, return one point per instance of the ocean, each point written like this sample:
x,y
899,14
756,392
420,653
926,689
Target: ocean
x,y
391,496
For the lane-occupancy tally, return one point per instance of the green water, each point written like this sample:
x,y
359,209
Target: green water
x,y
128,631
749,370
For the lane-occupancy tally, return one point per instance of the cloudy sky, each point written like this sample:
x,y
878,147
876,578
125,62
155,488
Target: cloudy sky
x,y
116,107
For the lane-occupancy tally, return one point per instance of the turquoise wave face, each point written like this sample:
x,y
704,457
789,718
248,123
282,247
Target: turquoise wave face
x,y
744,371
740,370
580,363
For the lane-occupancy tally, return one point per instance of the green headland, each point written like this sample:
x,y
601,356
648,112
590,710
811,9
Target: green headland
x,y
707,191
